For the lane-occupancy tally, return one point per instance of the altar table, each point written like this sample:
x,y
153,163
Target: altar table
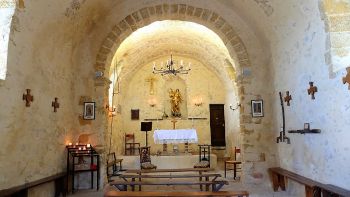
x,y
175,136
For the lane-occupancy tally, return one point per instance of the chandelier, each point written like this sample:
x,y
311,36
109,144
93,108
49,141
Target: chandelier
x,y
170,68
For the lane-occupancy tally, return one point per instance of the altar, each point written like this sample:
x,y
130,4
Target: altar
x,y
175,136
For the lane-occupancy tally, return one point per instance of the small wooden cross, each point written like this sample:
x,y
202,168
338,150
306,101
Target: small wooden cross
x,y
312,90
174,122
346,79
55,104
151,80
288,98
28,98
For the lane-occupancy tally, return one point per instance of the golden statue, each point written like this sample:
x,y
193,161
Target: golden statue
x,y
175,100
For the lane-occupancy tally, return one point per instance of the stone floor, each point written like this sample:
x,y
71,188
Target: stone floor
x,y
255,190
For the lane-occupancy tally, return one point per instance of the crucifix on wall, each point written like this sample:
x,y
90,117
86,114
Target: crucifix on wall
x,y
151,80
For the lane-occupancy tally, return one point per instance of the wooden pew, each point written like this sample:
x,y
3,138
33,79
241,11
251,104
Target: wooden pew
x,y
122,185
172,176
176,194
22,190
199,170
137,171
312,188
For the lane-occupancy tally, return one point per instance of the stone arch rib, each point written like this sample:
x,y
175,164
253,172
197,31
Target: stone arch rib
x,y
147,15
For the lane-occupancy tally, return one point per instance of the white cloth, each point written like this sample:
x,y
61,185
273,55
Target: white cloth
x,y
175,136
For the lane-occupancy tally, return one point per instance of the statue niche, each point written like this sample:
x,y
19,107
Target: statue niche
x,y
175,100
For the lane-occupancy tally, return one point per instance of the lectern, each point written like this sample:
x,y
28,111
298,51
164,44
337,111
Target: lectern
x,y
146,126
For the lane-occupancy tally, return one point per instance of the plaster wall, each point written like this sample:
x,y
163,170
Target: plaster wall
x,y
40,58
297,52
52,41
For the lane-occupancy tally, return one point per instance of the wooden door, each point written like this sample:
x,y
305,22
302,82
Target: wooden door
x,y
217,124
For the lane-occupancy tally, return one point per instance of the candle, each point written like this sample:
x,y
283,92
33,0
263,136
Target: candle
x,y
88,145
79,148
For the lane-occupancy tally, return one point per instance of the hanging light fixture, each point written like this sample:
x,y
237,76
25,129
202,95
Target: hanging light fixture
x,y
170,68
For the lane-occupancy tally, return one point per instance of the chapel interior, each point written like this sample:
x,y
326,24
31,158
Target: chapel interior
x,y
102,96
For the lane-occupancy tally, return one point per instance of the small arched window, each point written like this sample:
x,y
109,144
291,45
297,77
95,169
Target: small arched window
x,y
7,9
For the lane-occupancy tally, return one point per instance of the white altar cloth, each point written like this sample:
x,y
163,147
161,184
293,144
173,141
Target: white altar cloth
x,y
175,136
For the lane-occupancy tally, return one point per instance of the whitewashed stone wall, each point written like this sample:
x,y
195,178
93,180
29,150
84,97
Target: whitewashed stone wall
x,y
297,52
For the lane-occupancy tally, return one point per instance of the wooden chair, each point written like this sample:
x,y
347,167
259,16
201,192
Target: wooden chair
x,y
130,144
145,158
236,162
112,162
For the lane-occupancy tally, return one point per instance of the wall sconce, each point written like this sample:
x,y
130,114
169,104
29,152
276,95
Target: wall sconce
x,y
152,101
233,109
198,101
111,110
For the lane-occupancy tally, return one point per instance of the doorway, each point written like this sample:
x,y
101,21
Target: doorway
x,y
217,124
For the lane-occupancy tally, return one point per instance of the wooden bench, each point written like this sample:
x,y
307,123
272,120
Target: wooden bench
x,y
199,170
176,194
170,170
172,176
312,188
22,190
122,185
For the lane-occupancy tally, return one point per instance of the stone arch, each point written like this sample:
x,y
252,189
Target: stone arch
x,y
7,10
239,73
147,15
336,15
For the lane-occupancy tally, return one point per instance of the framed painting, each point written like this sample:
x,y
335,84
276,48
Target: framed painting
x,y
89,111
135,114
257,108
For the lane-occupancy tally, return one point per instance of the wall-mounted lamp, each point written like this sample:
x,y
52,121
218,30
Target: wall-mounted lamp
x,y
111,110
152,101
198,101
238,106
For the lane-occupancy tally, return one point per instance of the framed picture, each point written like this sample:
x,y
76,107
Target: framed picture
x,y
89,111
306,126
257,108
135,114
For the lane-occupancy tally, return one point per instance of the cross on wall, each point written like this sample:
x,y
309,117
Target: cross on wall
x,y
288,98
28,98
312,90
55,104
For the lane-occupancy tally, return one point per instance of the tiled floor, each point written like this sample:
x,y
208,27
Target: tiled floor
x,y
255,190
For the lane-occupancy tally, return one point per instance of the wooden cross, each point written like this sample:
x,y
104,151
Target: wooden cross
x,y
346,79
288,98
55,104
28,98
174,122
312,90
151,80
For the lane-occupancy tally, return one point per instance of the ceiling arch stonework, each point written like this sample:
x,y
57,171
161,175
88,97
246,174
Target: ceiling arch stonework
x,y
147,15
184,40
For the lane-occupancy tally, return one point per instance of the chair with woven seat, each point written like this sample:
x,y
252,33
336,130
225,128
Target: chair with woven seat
x,y
130,145
235,161
145,159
